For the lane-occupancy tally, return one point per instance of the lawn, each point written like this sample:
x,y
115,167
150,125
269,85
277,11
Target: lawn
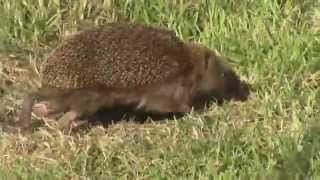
x,y
272,44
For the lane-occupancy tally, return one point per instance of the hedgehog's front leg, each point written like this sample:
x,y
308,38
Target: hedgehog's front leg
x,y
167,98
66,120
161,104
82,103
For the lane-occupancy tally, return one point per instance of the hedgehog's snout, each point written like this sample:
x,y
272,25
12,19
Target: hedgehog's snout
x,y
243,91
235,88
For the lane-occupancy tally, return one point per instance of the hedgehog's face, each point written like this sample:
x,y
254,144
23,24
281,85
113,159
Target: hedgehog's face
x,y
220,81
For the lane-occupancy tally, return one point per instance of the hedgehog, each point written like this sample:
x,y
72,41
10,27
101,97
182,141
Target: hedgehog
x,y
129,63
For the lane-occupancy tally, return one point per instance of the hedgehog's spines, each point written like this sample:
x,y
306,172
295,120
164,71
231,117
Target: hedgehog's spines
x,y
117,55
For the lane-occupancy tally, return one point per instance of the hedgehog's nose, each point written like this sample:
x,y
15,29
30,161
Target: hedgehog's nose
x,y
243,92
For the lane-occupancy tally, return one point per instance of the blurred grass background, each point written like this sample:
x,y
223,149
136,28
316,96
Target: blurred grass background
x,y
273,44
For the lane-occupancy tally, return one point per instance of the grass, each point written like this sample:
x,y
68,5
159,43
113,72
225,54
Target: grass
x,y
275,45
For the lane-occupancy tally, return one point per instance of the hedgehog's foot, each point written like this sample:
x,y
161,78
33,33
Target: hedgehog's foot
x,y
67,119
41,109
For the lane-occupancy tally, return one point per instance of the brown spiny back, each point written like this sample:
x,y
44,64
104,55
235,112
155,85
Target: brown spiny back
x,y
116,55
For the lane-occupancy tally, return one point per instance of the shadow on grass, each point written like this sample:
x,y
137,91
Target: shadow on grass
x,y
109,116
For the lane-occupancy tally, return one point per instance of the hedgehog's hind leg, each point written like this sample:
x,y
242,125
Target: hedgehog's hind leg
x,y
82,103
49,107
42,94
26,110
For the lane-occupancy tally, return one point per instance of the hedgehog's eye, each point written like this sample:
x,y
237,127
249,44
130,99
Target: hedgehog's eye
x,y
206,59
222,75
